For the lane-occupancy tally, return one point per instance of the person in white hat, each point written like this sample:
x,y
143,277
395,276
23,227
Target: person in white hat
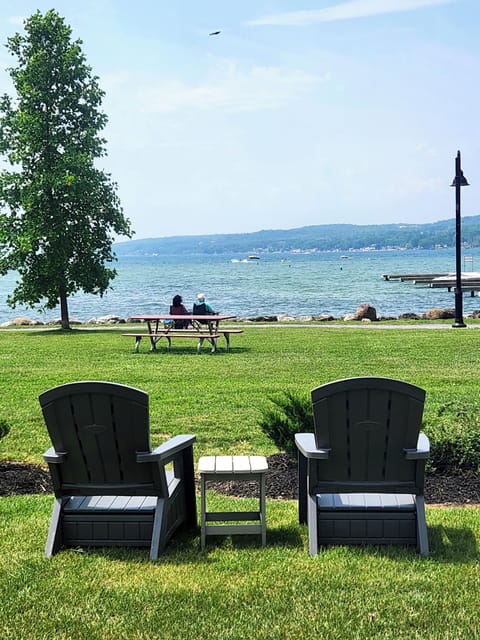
x,y
201,307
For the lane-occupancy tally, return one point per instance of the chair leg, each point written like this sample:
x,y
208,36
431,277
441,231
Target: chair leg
x,y
312,525
54,538
158,535
422,533
189,484
302,488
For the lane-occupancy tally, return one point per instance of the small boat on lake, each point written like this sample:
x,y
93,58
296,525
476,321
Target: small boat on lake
x,y
254,257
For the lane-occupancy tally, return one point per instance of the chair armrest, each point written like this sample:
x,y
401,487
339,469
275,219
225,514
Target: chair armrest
x,y
167,450
53,456
306,444
422,452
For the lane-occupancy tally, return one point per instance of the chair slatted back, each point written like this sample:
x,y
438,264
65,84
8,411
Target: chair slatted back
x,y
200,309
101,426
367,423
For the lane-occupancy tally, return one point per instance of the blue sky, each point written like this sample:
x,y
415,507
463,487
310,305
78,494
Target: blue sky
x,y
300,112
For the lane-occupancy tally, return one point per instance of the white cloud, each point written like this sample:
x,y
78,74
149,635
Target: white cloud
x,y
228,89
345,11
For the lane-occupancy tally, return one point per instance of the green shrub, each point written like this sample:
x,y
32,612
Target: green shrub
x,y
291,414
455,436
4,428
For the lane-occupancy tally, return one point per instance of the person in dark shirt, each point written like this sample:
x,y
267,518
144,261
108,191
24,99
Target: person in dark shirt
x,y
178,309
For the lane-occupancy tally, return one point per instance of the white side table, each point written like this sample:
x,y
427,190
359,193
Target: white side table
x,y
237,468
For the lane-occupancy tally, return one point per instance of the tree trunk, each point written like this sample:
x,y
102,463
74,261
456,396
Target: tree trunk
x,y
64,310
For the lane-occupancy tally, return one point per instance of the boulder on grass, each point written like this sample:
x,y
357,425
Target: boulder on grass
x,y
262,319
439,314
58,321
23,322
108,319
285,317
366,312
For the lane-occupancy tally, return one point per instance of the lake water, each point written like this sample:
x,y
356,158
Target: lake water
x,y
296,284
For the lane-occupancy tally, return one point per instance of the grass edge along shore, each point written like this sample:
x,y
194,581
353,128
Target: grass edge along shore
x,y
365,314
234,588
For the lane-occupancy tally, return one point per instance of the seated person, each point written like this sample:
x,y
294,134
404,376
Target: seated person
x,y
202,308
178,309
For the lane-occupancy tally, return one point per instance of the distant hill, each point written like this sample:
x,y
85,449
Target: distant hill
x,y
325,237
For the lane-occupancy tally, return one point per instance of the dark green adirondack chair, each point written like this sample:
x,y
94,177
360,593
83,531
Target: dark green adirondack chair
x,y
110,488
361,473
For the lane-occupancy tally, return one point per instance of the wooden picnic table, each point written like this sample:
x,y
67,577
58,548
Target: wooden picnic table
x,y
203,327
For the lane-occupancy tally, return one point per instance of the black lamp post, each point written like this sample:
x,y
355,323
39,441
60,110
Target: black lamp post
x,y
458,182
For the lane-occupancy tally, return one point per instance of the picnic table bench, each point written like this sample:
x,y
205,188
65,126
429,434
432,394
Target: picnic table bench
x,y
204,327
168,335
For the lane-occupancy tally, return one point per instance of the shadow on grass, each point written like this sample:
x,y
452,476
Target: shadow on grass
x,y
452,544
184,547
191,351
447,545
185,351
180,549
161,350
285,537
55,332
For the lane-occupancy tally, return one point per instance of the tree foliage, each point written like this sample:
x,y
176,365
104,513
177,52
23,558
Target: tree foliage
x,y
59,212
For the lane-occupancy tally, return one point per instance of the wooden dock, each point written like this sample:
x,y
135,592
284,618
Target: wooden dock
x,y
470,281
416,277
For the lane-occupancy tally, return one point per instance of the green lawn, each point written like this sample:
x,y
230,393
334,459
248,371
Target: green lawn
x,y
235,589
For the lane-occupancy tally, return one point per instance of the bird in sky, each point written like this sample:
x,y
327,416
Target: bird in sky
x,y
214,33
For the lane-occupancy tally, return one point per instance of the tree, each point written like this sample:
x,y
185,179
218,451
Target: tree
x,y
59,213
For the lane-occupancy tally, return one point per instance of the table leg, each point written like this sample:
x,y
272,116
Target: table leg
x,y
227,340
203,510
212,326
213,342
153,342
263,510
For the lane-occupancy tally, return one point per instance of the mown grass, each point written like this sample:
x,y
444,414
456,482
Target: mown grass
x,y
235,589
220,397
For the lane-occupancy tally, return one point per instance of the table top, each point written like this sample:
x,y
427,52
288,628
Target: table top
x,y
213,317
232,464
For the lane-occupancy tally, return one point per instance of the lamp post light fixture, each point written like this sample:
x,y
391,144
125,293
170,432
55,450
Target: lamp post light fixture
x,y
458,182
